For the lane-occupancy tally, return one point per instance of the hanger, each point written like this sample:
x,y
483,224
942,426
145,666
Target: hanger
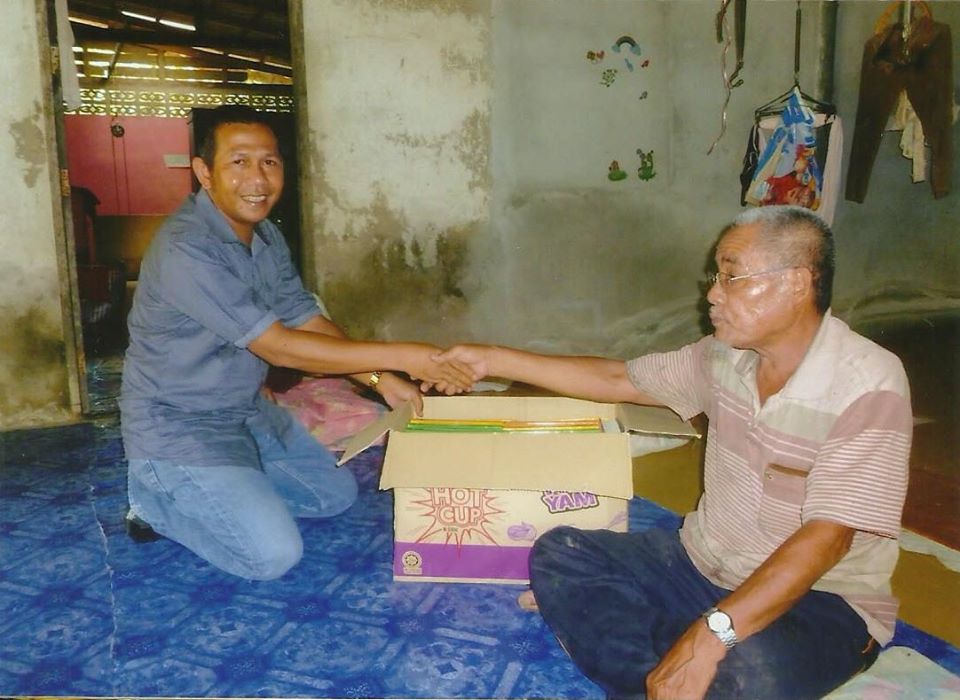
x,y
740,35
906,12
903,11
776,105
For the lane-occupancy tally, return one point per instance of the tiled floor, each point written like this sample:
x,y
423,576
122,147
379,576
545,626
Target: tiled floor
x,y
85,611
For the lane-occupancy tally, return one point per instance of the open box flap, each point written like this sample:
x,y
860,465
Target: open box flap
x,y
393,420
597,462
653,420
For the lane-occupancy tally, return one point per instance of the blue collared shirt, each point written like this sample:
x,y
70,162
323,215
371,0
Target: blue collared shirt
x,y
191,388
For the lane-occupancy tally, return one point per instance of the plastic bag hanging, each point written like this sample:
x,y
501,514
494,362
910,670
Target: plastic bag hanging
x,y
787,171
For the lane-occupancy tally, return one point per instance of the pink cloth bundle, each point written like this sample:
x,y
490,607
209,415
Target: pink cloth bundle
x,y
333,409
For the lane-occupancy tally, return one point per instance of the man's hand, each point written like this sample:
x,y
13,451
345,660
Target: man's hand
x,y
473,356
396,392
686,671
449,376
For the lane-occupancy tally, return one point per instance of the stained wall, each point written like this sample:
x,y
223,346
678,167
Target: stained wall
x,y
34,376
397,150
459,156
456,159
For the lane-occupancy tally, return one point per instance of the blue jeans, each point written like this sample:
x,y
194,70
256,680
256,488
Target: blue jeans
x,y
618,601
240,519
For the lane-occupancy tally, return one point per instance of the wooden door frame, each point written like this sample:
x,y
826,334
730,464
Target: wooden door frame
x,y
74,354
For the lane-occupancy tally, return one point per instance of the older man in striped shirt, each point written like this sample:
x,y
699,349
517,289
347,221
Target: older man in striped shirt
x,y
778,584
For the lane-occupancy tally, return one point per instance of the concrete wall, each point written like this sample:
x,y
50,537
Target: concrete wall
x,y
455,159
899,250
397,185
458,155
35,384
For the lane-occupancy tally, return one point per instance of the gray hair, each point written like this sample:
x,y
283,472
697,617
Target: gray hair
x,y
795,236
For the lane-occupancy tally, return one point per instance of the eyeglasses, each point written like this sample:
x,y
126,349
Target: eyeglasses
x,y
725,278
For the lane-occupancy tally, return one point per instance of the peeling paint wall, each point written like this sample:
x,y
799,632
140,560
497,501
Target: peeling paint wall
x,y
459,160
398,108
34,385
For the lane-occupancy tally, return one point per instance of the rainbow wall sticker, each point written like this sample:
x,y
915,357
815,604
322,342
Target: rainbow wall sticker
x,y
626,46
631,44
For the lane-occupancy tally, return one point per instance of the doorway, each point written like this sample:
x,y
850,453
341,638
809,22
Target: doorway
x,y
146,81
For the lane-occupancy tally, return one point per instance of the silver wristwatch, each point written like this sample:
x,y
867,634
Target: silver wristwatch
x,y
721,625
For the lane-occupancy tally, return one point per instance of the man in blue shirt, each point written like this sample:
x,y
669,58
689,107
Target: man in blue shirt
x,y
213,464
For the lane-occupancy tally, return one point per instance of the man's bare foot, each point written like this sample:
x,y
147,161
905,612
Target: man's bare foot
x,y
528,602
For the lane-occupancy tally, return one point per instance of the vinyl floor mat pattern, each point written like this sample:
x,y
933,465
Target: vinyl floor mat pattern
x,y
86,611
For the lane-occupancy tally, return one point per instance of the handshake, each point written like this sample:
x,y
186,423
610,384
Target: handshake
x,y
451,371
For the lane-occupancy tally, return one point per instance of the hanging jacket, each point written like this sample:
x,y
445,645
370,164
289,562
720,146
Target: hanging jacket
x,y
923,66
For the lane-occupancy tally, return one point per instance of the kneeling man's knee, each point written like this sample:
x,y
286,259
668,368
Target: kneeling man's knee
x,y
276,561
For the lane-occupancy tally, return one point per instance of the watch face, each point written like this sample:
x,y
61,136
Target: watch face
x,y
719,621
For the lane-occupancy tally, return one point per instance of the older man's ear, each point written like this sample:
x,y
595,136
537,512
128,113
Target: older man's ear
x,y
802,282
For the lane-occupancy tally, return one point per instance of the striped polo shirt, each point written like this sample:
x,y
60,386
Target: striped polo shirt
x,y
833,444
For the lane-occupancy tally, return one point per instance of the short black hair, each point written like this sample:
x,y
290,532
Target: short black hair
x,y
228,114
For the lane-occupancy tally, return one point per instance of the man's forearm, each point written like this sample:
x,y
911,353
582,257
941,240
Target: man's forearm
x,y
786,576
593,378
324,325
319,353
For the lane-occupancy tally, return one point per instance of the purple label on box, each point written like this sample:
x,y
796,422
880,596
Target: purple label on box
x,y
470,561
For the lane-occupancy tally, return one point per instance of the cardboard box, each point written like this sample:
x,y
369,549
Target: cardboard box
x,y
468,506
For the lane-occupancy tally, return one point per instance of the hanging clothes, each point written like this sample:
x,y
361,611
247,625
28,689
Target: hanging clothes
x,y
793,134
922,65
787,171
832,165
828,132
912,142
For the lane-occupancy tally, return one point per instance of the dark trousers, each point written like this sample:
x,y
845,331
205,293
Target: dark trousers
x,y
923,67
618,601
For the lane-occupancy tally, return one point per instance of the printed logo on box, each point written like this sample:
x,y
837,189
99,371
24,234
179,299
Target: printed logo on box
x,y
457,515
412,563
566,501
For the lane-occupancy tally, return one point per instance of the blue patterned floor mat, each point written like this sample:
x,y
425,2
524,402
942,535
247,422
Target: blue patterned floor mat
x,y
85,611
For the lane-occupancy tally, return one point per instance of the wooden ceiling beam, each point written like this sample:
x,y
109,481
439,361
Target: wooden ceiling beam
x,y
154,36
200,59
